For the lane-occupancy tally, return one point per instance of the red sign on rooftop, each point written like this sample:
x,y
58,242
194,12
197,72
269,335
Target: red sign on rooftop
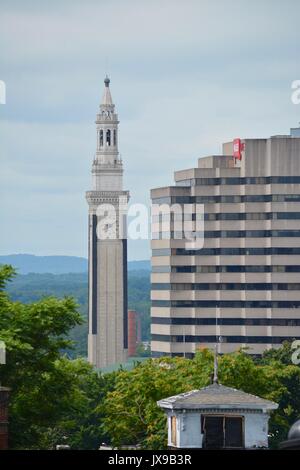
x,y
238,147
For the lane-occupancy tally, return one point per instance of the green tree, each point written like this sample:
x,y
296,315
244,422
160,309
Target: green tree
x,y
287,393
131,415
282,354
141,351
53,399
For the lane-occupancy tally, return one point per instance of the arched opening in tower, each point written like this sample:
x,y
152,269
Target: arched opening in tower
x,y
108,138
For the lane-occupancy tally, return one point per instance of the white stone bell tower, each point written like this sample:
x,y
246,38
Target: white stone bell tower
x,y
107,338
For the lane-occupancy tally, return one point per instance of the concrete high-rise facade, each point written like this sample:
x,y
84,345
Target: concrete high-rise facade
x,y
107,337
242,288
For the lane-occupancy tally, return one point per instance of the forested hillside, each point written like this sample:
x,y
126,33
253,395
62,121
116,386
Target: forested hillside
x,y
32,287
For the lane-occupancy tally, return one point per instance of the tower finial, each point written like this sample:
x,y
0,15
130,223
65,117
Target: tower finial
x,y
216,366
106,98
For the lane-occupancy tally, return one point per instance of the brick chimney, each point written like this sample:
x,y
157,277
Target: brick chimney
x,y
132,340
4,397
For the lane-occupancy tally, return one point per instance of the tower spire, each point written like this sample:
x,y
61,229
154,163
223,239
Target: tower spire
x,y
106,98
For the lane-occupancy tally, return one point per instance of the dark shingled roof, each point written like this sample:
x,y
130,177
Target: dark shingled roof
x,y
216,395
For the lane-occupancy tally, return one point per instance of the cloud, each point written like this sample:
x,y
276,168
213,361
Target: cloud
x,y
186,76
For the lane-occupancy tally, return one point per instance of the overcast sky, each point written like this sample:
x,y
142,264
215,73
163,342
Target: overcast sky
x,y
185,76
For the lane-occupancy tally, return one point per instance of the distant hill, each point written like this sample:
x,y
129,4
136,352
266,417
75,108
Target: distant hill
x,y
144,265
32,287
26,264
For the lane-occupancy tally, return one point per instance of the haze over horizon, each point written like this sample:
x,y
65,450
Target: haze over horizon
x,y
184,78
26,263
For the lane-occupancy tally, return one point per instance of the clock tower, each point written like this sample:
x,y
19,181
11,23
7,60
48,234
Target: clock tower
x,y
107,337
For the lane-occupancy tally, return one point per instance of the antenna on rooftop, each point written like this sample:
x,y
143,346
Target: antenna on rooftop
x,y
216,366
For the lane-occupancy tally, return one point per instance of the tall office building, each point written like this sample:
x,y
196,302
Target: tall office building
x,y
107,338
242,288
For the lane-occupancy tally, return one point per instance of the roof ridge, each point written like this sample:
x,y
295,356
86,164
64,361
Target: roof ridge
x,y
230,395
